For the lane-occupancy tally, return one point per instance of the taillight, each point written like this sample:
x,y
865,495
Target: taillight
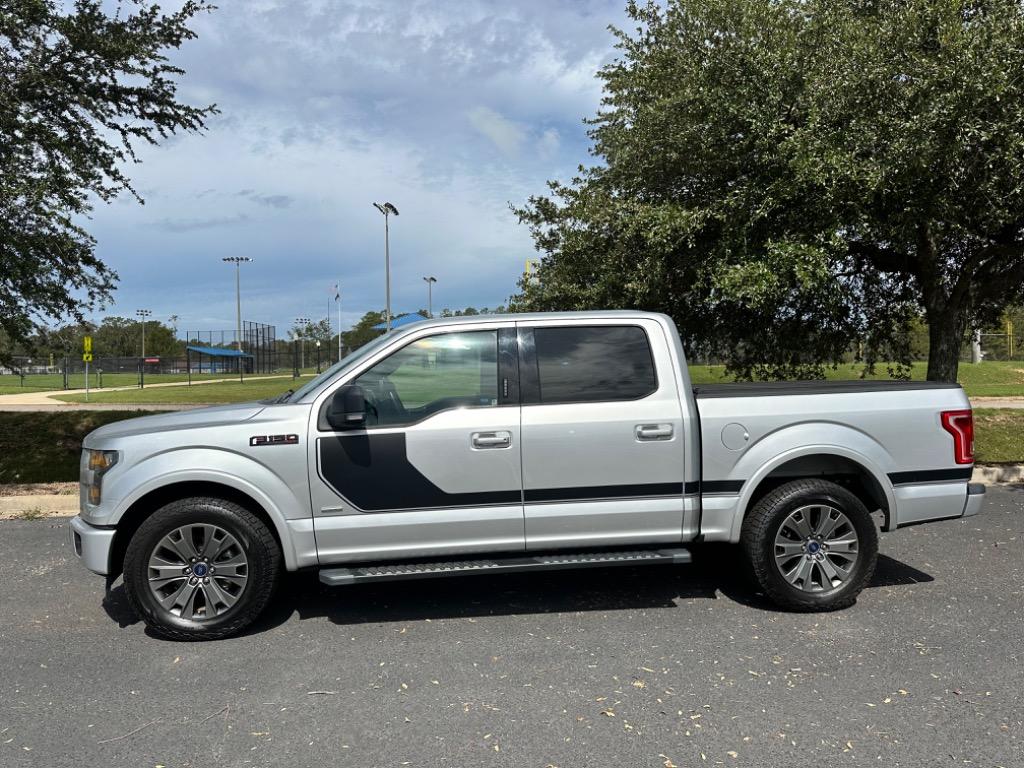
x,y
960,424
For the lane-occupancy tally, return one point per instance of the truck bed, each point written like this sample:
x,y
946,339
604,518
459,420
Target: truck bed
x,y
891,427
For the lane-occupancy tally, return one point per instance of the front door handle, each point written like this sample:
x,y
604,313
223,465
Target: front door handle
x,y
653,431
492,439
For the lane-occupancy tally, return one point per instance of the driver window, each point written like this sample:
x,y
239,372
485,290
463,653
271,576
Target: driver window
x,y
433,374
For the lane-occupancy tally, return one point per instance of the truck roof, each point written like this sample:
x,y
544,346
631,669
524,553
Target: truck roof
x,y
601,314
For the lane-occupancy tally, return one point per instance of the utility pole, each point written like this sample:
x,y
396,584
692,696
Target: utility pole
x,y
387,209
430,294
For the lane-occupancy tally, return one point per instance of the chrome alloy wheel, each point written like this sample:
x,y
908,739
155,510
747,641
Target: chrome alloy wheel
x,y
816,548
197,571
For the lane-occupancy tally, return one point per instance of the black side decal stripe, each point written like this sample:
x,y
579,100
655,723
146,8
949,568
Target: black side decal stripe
x,y
374,474
721,486
585,493
930,475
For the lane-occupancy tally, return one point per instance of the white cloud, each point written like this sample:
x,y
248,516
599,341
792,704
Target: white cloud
x,y
506,135
451,111
548,143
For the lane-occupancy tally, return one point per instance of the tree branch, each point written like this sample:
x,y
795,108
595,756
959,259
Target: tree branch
x,y
882,259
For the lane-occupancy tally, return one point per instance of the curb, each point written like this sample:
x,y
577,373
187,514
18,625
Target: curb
x,y
45,505
996,474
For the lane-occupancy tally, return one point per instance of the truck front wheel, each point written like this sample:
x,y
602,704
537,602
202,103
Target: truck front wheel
x,y
201,569
812,545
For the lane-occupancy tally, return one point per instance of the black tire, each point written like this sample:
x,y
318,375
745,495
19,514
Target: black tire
x,y
763,524
258,544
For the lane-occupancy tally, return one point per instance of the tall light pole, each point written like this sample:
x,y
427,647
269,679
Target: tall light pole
x,y
430,294
143,314
301,323
237,261
387,209
337,300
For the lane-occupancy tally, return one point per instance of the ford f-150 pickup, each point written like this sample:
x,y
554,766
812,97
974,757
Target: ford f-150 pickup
x,y
515,443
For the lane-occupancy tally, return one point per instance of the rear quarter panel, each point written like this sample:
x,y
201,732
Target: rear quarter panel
x,y
886,432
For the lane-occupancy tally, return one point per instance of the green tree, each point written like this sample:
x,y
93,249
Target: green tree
x,y
117,337
499,310
363,331
161,341
122,337
787,178
80,88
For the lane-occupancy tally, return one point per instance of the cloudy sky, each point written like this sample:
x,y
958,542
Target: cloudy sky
x,y
450,110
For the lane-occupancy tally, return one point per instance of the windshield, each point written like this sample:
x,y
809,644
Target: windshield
x,y
350,359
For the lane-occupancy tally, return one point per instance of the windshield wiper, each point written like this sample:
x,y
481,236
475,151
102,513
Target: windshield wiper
x,y
283,397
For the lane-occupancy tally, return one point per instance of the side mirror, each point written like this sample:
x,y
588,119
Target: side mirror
x,y
348,408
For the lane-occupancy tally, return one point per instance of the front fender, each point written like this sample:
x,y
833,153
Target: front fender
x,y
808,439
286,503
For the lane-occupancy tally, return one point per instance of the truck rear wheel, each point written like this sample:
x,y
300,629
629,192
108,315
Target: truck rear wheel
x,y
201,569
812,545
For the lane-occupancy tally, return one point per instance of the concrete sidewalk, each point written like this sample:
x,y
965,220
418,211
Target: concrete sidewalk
x,y
997,402
32,500
46,400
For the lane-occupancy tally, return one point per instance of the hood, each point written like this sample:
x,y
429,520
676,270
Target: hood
x,y
219,415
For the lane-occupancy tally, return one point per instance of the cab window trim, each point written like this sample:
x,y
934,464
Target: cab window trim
x,y
504,334
529,364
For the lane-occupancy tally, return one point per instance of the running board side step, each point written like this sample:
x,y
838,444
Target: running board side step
x,y
519,564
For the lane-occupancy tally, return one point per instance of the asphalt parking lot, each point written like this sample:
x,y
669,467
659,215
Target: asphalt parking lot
x,y
656,666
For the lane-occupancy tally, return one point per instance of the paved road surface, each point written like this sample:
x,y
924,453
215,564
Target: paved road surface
x,y
624,667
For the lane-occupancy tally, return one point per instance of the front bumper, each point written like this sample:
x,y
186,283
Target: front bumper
x,y
92,545
975,499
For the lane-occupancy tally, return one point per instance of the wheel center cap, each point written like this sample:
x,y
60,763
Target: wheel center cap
x,y
812,547
200,570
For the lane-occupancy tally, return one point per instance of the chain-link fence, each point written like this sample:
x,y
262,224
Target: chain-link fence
x,y
262,353
31,374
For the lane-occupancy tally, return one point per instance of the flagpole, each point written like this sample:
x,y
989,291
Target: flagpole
x,y
337,298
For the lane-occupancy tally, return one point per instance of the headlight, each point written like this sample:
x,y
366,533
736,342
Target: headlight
x,y
97,464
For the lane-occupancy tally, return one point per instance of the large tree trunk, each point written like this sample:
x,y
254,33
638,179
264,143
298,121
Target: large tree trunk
x,y
946,328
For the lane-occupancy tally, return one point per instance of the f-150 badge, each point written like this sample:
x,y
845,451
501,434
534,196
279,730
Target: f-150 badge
x,y
257,440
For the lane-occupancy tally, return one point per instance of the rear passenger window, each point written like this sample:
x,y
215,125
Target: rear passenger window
x,y
586,364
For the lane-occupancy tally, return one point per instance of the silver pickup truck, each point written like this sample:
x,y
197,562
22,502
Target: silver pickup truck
x,y
515,443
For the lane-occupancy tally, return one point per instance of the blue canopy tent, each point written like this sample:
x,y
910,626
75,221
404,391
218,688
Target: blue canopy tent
x,y
219,358
398,322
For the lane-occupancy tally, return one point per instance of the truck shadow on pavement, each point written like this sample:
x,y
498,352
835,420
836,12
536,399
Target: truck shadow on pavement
x,y
717,572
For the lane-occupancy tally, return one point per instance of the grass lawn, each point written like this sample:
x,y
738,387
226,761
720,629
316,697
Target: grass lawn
x,y
11,384
999,435
46,447
204,394
990,379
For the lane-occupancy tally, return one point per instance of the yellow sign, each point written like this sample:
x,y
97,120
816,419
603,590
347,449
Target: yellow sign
x,y
87,344
87,357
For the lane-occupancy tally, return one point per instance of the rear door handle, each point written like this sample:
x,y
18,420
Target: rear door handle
x,y
653,431
492,439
